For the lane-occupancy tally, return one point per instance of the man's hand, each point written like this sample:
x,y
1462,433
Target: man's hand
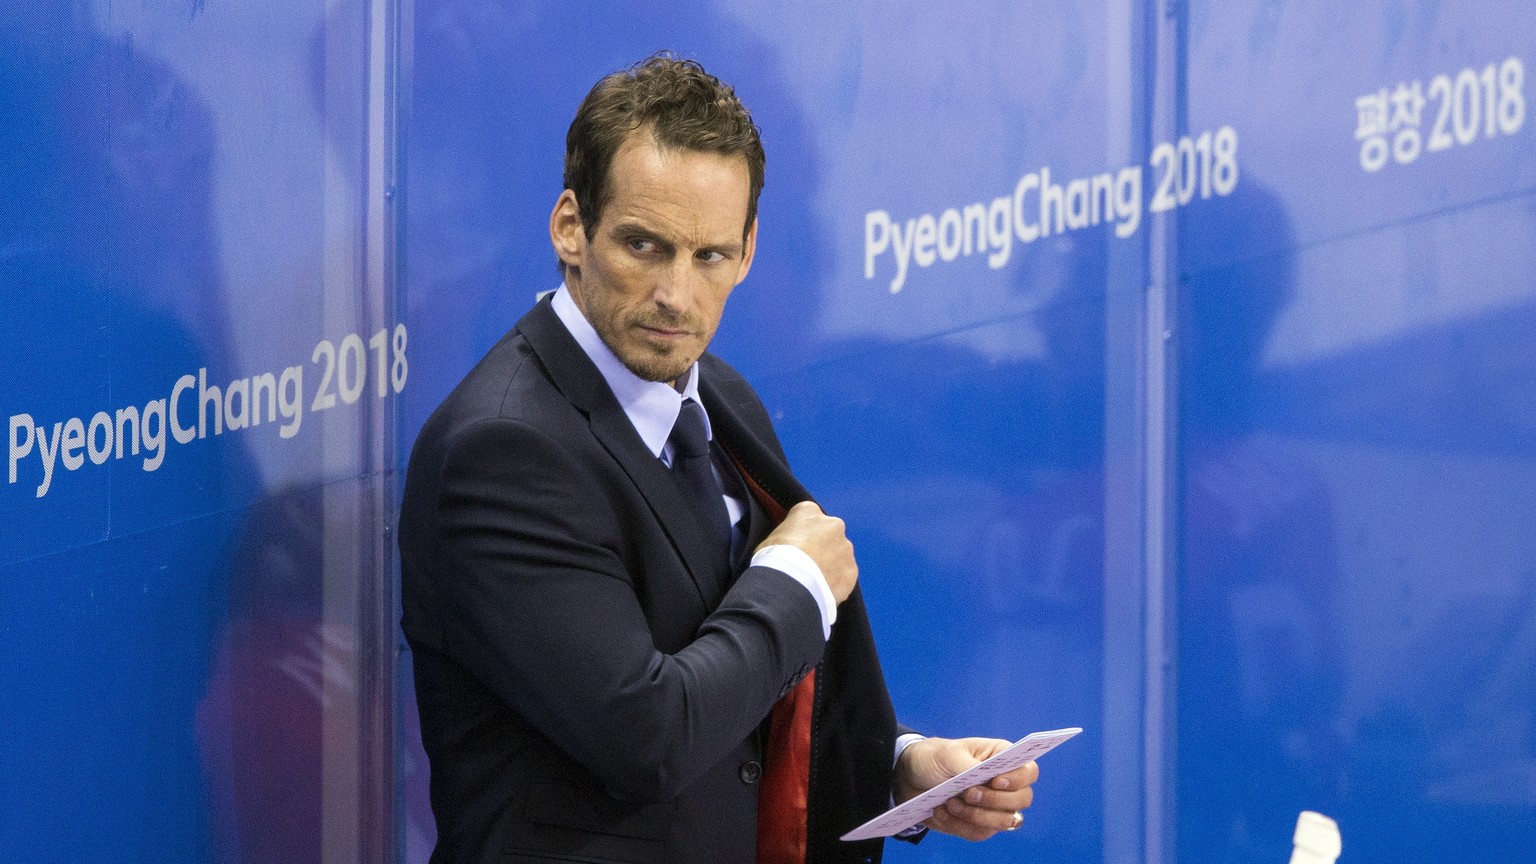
x,y
980,811
821,537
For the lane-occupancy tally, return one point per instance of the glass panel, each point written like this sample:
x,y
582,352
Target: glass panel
x,y
194,597
1356,570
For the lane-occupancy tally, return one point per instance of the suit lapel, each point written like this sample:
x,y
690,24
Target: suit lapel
x,y
574,374
765,467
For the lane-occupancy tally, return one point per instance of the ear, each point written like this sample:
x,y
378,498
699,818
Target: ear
x,y
748,251
566,233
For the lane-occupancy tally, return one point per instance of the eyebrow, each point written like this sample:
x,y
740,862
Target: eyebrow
x,y
631,225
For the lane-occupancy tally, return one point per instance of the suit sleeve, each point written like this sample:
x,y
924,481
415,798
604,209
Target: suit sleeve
x,y
539,606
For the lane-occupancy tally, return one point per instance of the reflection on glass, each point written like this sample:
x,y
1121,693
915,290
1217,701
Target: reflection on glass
x,y
192,649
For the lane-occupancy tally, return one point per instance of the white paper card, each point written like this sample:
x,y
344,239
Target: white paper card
x,y
920,807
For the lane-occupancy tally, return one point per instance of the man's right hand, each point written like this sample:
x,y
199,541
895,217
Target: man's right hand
x,y
821,537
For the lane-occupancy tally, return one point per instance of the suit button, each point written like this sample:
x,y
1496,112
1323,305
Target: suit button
x,y
750,771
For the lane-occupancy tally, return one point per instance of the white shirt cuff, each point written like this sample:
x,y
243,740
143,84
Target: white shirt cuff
x,y
794,563
905,741
902,743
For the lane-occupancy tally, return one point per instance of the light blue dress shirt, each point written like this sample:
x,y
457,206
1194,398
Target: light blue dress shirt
x,y
652,408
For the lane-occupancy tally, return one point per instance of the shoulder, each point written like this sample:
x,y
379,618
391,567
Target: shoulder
x,y
507,395
509,382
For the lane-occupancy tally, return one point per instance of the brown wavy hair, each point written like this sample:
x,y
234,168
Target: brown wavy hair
x,y
679,103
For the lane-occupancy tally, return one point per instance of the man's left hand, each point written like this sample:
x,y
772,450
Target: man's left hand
x,y
980,811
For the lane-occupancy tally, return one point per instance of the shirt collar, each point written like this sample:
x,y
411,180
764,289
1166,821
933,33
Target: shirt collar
x,y
651,406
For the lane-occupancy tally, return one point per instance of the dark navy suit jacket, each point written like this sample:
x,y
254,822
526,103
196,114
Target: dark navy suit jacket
x,y
592,686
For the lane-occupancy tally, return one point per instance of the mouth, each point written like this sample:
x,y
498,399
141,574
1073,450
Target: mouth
x,y
665,334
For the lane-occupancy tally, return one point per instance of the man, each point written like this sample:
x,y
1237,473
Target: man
x,y
636,637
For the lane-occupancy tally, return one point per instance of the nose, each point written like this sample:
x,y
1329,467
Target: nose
x,y
678,286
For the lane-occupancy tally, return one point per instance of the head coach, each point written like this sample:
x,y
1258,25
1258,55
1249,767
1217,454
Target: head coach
x,y
636,637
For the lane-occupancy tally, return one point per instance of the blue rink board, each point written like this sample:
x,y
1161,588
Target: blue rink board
x,y
1355,578
196,660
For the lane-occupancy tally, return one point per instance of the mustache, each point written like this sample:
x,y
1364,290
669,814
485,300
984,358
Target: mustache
x,y
666,320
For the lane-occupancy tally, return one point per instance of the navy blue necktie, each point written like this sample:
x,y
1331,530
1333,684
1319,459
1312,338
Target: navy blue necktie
x,y
691,465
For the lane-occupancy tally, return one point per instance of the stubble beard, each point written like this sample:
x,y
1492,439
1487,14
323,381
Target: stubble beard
x,y
663,366
662,369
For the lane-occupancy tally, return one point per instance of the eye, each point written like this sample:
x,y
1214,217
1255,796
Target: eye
x,y
711,256
641,244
